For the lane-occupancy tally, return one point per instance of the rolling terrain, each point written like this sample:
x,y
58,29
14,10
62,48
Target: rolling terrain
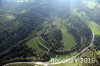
x,y
34,33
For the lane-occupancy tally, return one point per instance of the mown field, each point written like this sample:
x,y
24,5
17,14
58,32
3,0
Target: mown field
x,y
95,27
33,43
67,39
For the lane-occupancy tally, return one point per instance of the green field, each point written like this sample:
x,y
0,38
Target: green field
x,y
33,43
95,27
67,39
97,52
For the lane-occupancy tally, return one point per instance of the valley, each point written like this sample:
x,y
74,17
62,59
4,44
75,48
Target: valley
x,y
34,33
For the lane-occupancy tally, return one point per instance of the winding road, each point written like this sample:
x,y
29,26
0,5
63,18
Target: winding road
x,y
48,63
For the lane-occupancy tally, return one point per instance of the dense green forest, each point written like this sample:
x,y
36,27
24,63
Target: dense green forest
x,y
38,31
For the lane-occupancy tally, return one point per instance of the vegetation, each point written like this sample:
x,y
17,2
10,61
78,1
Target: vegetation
x,y
69,64
67,39
41,30
23,64
95,27
33,43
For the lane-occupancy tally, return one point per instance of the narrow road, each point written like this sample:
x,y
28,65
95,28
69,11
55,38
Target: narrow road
x,y
47,63
43,45
78,53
